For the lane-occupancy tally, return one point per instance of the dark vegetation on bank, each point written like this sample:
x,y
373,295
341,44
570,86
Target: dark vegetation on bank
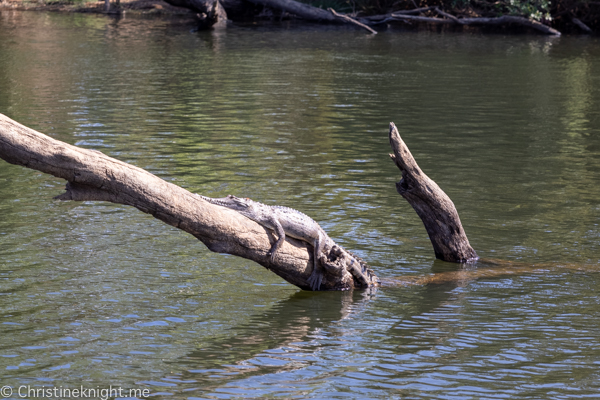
x,y
544,16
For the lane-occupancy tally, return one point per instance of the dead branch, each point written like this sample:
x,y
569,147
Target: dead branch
x,y
419,18
509,19
581,25
449,16
352,21
433,206
450,19
93,176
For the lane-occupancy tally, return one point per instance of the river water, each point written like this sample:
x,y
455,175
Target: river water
x,y
96,295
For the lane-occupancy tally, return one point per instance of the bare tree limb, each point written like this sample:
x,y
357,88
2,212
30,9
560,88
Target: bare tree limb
x,y
94,176
403,17
433,206
377,18
450,19
449,16
582,26
509,19
352,21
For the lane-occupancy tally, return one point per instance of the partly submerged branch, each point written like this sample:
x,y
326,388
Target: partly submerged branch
x,y
91,175
407,16
433,206
346,18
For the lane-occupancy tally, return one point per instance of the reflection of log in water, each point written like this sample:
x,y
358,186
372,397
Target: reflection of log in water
x,y
272,335
484,268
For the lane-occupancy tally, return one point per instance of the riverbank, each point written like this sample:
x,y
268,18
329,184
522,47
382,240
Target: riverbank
x,y
157,7
553,18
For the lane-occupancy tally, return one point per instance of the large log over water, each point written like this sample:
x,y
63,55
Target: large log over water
x,y
94,176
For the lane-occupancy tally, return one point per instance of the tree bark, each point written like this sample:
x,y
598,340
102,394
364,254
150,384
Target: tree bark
x,y
94,176
433,206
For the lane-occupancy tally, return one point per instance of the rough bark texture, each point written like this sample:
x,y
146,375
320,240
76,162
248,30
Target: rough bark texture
x,y
433,206
92,175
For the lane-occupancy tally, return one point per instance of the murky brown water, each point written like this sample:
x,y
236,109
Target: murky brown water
x,y
97,294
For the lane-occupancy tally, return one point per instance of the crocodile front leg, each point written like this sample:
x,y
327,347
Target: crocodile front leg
x,y
276,225
316,277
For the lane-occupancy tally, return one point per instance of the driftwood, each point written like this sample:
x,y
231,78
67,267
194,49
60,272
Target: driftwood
x,y
450,19
581,25
346,18
433,206
94,176
212,12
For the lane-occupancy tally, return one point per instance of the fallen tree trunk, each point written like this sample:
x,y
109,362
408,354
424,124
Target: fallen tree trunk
x,y
509,19
93,176
214,11
581,25
450,19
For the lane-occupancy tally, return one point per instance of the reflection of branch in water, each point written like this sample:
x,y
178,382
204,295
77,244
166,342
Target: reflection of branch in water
x,y
484,268
287,327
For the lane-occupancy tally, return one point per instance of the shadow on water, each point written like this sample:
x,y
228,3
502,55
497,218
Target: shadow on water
x,y
289,336
253,348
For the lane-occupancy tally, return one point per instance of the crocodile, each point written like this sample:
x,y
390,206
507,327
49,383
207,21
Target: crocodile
x,y
287,221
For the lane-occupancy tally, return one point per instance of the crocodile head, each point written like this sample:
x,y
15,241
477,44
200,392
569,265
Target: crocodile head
x,y
235,203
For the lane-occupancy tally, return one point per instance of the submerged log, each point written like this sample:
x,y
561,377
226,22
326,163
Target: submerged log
x,y
433,206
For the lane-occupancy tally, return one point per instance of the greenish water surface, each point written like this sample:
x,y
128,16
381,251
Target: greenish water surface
x,y
96,295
